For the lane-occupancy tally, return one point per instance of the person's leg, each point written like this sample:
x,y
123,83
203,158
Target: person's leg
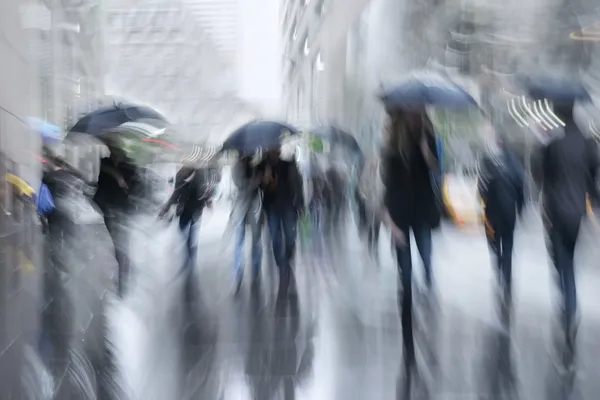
x,y
567,273
290,232
275,230
422,234
257,247
506,262
119,239
188,229
403,257
238,251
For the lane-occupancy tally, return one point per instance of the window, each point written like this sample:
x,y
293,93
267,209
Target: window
x,y
319,65
295,31
320,8
306,48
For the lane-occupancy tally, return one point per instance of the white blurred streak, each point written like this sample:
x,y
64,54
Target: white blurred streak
x,y
142,323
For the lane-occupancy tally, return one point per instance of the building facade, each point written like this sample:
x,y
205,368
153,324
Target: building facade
x,y
220,19
160,55
19,245
339,54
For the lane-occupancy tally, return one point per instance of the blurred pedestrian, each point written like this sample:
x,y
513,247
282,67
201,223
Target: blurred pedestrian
x,y
116,178
368,193
283,201
501,188
192,194
407,160
247,207
569,165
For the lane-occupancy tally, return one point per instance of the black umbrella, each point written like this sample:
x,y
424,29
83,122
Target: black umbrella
x,y
337,136
105,118
426,89
258,135
554,87
340,137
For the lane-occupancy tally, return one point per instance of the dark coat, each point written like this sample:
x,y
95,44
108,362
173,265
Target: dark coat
x,y
409,195
501,187
192,192
288,190
569,167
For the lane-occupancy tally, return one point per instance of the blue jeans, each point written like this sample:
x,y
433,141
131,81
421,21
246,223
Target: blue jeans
x,y
283,229
238,254
188,229
562,242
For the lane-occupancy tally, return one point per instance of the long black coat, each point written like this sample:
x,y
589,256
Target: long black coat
x,y
569,166
409,194
501,187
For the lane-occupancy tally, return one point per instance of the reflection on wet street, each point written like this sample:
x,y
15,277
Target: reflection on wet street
x,y
337,336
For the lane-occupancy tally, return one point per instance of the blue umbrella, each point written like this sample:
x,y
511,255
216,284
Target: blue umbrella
x,y
105,118
555,87
49,133
426,90
258,135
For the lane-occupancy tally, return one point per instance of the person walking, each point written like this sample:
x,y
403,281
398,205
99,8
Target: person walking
x,y
247,213
367,192
283,202
501,188
569,166
409,203
192,194
115,180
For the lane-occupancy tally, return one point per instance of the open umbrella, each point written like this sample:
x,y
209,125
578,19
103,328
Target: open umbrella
x,y
555,87
258,135
110,117
48,132
426,89
337,136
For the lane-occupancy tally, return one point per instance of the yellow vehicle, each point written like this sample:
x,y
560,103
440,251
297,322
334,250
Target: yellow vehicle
x,y
465,208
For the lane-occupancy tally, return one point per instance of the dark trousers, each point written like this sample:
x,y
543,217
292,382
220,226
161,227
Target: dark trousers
x,y
562,239
188,227
422,234
283,229
500,243
114,225
368,223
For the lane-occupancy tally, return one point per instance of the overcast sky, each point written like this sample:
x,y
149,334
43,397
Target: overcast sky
x,y
260,55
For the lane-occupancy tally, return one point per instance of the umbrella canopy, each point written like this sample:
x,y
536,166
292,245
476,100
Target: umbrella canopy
x,y
257,136
426,89
110,117
49,133
554,87
337,136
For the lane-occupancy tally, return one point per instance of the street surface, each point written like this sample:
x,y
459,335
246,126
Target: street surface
x,y
340,337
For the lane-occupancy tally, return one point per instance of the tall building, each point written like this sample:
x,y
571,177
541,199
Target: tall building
x,y
67,46
161,55
19,242
220,19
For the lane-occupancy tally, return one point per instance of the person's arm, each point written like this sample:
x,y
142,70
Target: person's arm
x,y
180,184
297,186
383,213
429,151
519,182
594,165
112,171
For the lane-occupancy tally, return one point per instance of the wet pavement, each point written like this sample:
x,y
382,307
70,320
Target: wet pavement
x,y
340,338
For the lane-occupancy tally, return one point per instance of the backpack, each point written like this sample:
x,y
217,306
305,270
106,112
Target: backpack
x,y
44,202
